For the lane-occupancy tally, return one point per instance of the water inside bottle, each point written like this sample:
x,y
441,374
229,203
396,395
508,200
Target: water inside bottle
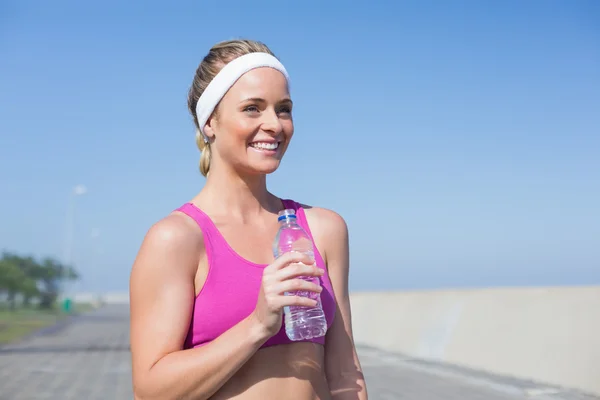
x,y
301,322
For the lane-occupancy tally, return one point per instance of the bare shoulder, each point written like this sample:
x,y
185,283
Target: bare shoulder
x,y
173,238
328,228
326,220
176,228
166,262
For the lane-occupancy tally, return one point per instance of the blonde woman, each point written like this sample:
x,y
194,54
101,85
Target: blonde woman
x,y
206,293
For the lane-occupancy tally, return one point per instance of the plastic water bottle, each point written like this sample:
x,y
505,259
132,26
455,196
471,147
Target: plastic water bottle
x,y
301,322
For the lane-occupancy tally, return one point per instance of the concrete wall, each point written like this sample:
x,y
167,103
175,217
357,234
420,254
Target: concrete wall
x,y
106,297
550,335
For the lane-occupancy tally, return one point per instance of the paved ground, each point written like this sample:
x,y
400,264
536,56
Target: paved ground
x,y
88,358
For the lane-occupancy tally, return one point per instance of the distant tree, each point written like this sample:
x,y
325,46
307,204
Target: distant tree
x,y
52,274
30,268
29,278
14,281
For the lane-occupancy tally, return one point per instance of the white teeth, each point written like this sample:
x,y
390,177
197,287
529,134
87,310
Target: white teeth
x,y
265,146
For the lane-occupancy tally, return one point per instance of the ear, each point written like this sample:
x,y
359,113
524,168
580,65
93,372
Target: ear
x,y
209,127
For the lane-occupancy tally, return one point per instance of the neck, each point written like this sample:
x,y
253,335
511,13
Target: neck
x,y
236,195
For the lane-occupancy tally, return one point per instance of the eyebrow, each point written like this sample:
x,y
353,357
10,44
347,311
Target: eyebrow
x,y
261,100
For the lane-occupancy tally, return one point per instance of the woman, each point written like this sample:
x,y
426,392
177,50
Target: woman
x,y
206,294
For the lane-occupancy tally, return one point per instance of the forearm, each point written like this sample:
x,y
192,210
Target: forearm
x,y
198,373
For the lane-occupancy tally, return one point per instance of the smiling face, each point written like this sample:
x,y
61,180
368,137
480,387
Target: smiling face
x,y
253,125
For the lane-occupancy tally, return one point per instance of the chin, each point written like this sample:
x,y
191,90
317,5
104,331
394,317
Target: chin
x,y
263,168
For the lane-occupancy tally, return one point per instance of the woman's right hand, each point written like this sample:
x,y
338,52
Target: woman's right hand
x,y
280,277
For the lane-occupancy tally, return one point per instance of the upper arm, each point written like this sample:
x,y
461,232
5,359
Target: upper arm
x,y
341,362
162,292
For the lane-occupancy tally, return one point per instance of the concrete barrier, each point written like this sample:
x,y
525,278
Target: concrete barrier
x,y
549,335
102,298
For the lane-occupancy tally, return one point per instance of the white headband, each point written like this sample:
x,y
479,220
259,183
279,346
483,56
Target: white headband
x,y
228,75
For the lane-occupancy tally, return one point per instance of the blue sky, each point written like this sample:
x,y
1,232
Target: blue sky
x,y
459,140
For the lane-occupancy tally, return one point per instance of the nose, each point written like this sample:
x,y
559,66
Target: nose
x,y
271,122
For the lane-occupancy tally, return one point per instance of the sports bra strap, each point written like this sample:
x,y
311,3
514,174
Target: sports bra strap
x,y
289,204
204,222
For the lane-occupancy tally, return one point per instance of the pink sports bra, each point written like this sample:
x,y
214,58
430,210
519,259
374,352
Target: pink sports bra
x,y
231,288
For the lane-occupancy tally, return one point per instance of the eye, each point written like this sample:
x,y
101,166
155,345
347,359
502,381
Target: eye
x,y
285,109
251,109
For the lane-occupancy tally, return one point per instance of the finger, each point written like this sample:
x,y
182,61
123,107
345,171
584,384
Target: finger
x,y
290,258
293,285
295,270
296,301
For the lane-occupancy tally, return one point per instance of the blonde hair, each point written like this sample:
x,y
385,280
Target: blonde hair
x,y
218,56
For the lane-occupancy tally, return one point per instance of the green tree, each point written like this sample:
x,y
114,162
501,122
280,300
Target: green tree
x,y
14,281
28,266
52,274
27,277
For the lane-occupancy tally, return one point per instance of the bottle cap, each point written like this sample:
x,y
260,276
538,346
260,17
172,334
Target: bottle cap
x,y
287,213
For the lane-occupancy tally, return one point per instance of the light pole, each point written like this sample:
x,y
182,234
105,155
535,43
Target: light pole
x,y
78,190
